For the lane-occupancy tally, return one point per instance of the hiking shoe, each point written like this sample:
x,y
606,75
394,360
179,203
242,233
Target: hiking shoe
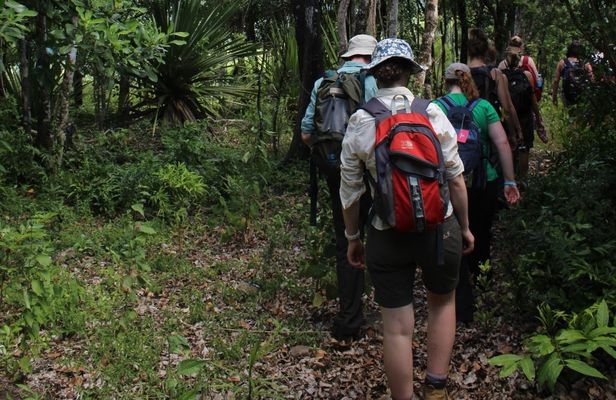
x,y
432,393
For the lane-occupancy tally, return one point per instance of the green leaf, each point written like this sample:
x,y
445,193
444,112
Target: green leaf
x,y
583,368
604,330
192,395
190,367
567,336
44,260
508,370
608,350
550,371
138,208
603,315
127,282
181,34
318,299
541,345
177,343
528,367
504,360
37,288
26,297
148,230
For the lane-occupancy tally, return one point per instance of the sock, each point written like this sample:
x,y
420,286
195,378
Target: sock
x,y
436,381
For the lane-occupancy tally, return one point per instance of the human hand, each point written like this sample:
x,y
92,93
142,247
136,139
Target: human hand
x,y
356,255
512,194
468,242
542,133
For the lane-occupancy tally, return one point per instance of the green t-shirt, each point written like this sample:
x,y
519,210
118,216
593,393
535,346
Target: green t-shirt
x,y
484,114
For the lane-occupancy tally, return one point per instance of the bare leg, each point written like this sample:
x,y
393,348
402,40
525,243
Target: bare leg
x,y
441,331
398,325
522,164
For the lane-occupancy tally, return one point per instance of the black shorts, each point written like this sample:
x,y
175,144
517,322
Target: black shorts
x,y
391,257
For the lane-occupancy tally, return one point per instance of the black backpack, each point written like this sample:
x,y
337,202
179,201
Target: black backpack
x,y
520,91
469,142
486,85
338,96
573,75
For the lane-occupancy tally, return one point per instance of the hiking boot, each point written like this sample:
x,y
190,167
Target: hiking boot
x,y
432,393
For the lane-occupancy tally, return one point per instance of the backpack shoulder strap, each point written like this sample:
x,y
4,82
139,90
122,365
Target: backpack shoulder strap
x,y
446,102
525,61
420,106
362,80
377,109
471,106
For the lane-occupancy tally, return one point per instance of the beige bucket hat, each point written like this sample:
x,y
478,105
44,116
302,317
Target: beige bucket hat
x,y
360,45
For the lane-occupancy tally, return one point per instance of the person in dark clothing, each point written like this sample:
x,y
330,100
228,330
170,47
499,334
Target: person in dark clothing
x,y
350,318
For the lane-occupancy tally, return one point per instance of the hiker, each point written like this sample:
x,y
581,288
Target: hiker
x,y
482,186
492,83
574,75
526,63
392,253
325,141
525,102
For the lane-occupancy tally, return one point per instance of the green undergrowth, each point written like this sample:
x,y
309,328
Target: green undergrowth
x,y
559,251
155,266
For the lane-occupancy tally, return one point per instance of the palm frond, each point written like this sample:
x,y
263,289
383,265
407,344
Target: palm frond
x,y
198,71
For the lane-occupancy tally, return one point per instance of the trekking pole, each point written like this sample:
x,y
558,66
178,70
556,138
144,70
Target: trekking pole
x,y
314,191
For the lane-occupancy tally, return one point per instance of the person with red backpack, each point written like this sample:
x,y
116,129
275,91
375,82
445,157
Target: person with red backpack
x,y
476,121
525,63
334,98
407,148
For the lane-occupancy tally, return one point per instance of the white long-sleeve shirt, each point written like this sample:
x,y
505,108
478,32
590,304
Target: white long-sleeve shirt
x,y
359,141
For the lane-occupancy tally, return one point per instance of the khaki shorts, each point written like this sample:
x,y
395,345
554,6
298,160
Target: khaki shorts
x,y
392,256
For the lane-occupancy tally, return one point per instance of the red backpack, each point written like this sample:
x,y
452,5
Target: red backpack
x,y
537,80
411,188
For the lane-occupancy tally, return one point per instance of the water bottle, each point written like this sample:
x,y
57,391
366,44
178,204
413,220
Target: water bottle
x,y
539,81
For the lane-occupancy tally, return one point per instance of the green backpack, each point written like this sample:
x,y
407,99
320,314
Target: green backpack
x,y
338,96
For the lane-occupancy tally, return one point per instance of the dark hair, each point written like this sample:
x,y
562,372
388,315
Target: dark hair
x,y
574,49
516,41
513,58
478,43
466,83
391,71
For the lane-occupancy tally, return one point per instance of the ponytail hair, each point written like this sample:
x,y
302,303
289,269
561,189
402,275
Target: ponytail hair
x,y
466,84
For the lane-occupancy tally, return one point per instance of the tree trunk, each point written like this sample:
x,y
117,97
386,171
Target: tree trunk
x,y
123,98
464,28
63,117
43,136
392,19
78,89
425,54
24,71
310,53
2,88
341,18
371,25
361,17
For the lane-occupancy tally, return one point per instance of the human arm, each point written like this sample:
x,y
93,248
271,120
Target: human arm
x,y
353,158
459,201
541,132
307,125
502,90
559,68
497,135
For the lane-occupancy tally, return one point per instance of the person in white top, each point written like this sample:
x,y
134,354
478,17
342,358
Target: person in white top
x,y
390,255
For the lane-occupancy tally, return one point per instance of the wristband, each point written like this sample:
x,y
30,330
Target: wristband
x,y
352,237
511,183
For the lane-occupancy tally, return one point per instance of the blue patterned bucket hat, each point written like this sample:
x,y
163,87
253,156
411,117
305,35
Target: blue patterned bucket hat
x,y
390,48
